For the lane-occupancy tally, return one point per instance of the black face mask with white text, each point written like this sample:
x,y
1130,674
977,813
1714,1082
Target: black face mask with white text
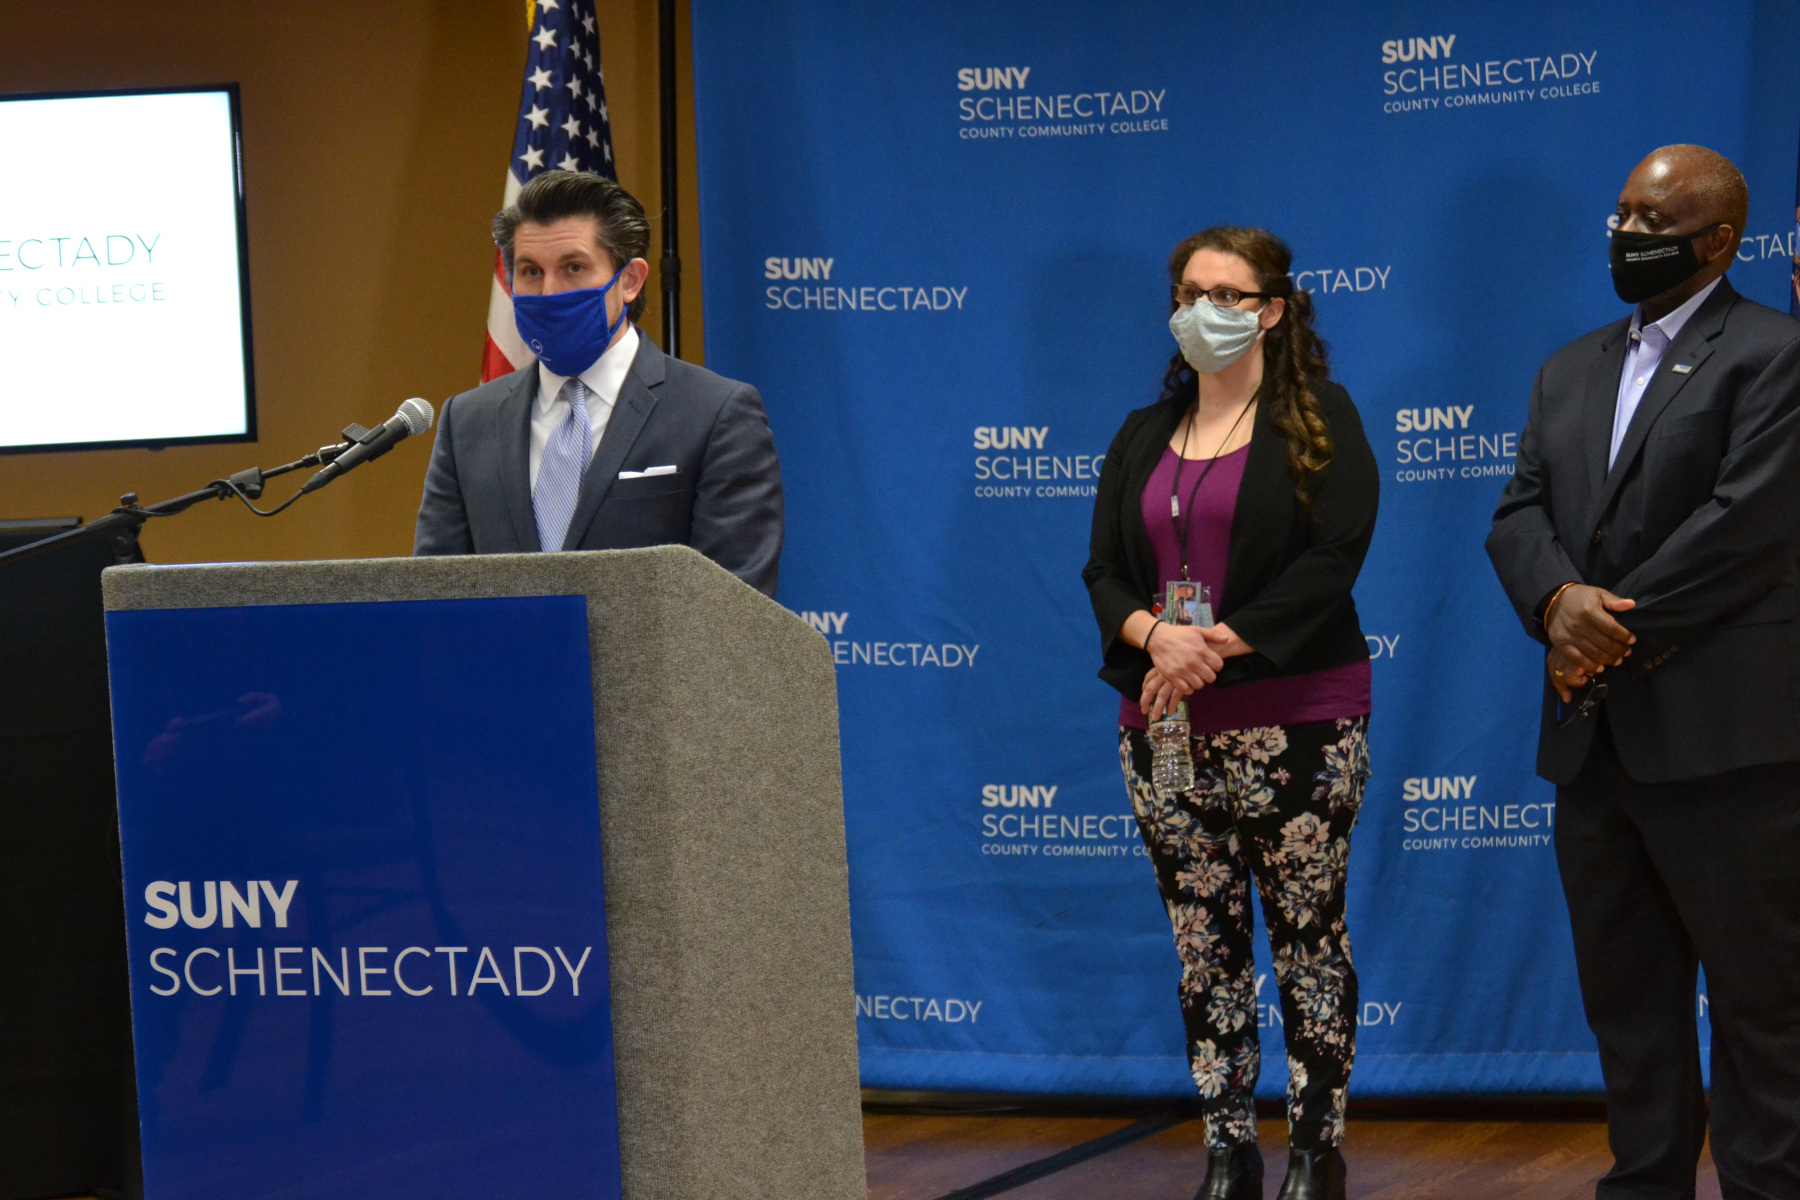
x,y
1649,264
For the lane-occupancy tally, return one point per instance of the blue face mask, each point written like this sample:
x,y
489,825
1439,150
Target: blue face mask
x,y
569,330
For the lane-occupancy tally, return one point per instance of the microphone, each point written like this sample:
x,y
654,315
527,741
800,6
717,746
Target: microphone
x,y
414,417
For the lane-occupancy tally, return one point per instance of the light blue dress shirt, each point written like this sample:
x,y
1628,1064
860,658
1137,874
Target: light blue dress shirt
x,y
1643,354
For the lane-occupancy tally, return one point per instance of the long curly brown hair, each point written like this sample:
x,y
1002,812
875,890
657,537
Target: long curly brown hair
x,y
1294,357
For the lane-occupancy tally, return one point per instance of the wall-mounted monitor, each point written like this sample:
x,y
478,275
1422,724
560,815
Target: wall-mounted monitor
x,y
124,272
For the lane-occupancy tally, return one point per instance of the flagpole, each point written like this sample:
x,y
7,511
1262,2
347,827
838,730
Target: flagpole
x,y
671,260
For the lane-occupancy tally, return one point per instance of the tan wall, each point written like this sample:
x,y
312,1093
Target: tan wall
x,y
375,137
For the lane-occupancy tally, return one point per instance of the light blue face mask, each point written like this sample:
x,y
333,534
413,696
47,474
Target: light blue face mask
x,y
569,330
1212,338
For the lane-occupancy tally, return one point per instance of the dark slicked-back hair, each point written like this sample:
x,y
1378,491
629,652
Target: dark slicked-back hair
x,y
624,230
1717,181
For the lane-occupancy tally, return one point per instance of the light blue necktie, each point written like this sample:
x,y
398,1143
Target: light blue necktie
x,y
560,470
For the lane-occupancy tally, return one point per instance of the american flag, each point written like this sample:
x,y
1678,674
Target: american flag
x,y
562,125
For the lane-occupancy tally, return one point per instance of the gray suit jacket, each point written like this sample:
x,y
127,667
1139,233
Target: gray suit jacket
x,y
724,498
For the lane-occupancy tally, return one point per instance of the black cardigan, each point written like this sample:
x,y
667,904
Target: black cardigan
x,y
1288,578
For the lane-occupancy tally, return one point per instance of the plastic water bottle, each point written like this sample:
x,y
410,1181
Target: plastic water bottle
x,y
1171,758
1171,761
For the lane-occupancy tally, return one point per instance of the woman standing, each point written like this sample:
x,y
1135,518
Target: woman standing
x,y
1251,477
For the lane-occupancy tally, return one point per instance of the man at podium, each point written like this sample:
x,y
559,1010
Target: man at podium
x,y
605,442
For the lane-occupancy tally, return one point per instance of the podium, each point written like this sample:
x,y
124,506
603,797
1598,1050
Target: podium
x,y
379,772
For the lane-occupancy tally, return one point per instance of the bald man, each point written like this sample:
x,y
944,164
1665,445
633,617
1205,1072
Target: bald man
x,y
1650,538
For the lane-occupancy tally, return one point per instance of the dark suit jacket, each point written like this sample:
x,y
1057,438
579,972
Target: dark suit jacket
x,y
1698,521
724,498
1287,576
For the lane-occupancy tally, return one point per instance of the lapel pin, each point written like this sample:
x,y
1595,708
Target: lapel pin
x,y
1682,368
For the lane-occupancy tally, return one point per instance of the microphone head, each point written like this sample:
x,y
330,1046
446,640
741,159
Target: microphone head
x,y
418,415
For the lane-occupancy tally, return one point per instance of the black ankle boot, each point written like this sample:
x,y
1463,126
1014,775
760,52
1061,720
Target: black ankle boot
x,y
1234,1173
1314,1175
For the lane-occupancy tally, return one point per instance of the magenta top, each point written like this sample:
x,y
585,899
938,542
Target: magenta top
x,y
1286,700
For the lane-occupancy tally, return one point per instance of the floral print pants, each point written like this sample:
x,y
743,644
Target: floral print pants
x,y
1274,804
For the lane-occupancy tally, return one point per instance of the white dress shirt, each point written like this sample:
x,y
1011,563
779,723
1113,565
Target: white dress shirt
x,y
603,380
1643,354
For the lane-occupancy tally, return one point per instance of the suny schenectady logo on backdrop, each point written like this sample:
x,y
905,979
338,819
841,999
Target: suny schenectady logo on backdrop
x,y
1442,813
849,651
1019,464
1003,103
1439,445
1433,72
805,284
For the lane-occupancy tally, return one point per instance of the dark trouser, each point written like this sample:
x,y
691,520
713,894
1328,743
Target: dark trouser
x,y
1660,877
1276,804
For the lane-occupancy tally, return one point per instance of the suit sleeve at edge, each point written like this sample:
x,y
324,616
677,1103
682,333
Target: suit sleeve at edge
x,y
738,505
443,523
1523,545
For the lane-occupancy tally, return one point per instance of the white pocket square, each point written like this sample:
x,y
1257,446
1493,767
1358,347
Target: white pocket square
x,y
648,472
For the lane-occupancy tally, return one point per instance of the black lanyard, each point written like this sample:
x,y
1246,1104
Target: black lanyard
x,y
1183,515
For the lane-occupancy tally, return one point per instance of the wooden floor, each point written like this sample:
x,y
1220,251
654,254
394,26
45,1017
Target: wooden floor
x,y
922,1157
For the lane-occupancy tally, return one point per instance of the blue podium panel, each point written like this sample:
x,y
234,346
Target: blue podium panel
x,y
364,900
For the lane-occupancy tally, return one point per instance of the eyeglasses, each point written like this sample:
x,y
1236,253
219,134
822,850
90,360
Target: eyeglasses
x,y
1223,297
1584,707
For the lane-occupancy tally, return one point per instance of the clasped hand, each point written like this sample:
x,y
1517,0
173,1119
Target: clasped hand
x,y
1584,637
1185,659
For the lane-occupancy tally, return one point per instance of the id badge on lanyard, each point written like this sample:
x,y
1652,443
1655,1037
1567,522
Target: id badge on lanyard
x,y
1187,603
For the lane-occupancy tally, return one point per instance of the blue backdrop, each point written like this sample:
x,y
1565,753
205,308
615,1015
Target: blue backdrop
x,y
934,236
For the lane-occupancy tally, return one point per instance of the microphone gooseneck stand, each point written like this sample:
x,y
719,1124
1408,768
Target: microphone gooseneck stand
x,y
124,522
